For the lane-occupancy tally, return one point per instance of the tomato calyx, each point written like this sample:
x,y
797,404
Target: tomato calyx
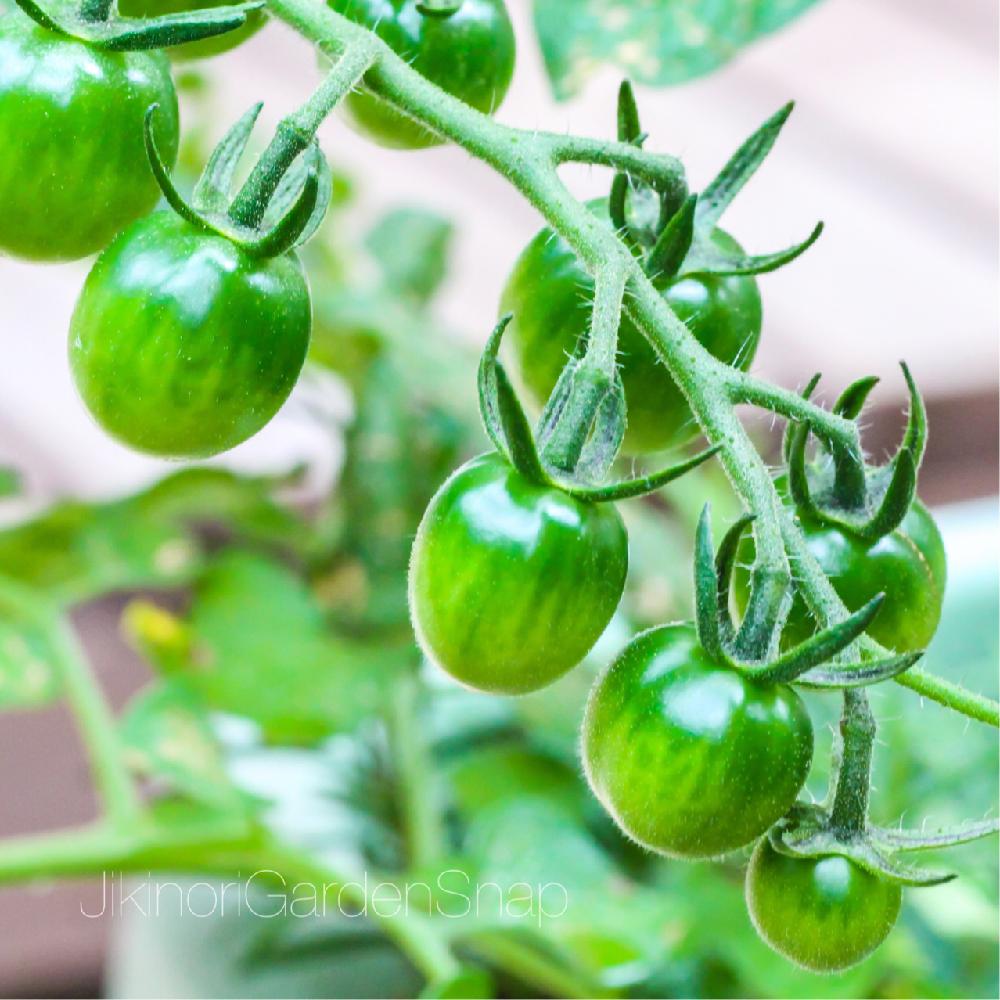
x,y
808,832
843,491
824,660
585,400
671,230
98,23
292,214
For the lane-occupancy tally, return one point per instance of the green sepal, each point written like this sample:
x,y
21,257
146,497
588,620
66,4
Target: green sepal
x,y
798,477
707,258
786,438
120,34
503,418
845,675
162,176
134,34
711,633
630,488
310,163
629,128
42,17
915,437
214,189
821,647
807,833
920,840
287,232
852,400
673,243
725,561
743,164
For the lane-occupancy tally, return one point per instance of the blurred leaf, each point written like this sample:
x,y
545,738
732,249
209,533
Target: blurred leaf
x,y
166,734
653,43
28,677
410,247
10,482
75,550
469,983
262,649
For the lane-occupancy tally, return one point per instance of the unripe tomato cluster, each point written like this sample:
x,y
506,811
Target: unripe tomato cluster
x,y
511,584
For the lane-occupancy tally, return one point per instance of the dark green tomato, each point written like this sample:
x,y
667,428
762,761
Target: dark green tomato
x,y
74,171
181,344
550,295
691,758
511,584
825,914
205,47
907,565
469,54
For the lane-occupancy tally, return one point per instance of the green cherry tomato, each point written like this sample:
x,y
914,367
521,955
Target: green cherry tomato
x,y
205,47
511,583
181,344
691,758
550,295
907,565
469,54
824,914
74,171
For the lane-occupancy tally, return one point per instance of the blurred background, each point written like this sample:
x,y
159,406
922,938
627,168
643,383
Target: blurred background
x,y
893,143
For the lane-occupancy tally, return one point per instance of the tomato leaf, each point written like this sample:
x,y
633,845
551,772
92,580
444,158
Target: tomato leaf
x,y
654,43
411,249
166,733
261,648
28,678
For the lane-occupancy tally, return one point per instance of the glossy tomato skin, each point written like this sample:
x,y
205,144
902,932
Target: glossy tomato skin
x,y
550,295
204,48
469,54
691,758
181,344
908,565
74,171
511,584
824,914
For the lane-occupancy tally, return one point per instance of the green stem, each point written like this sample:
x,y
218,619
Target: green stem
x,y
421,816
531,967
226,849
857,735
529,160
98,728
294,134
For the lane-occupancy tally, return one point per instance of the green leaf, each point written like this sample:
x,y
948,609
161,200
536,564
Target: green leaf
x,y
10,482
262,649
28,678
75,551
167,734
411,249
654,43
